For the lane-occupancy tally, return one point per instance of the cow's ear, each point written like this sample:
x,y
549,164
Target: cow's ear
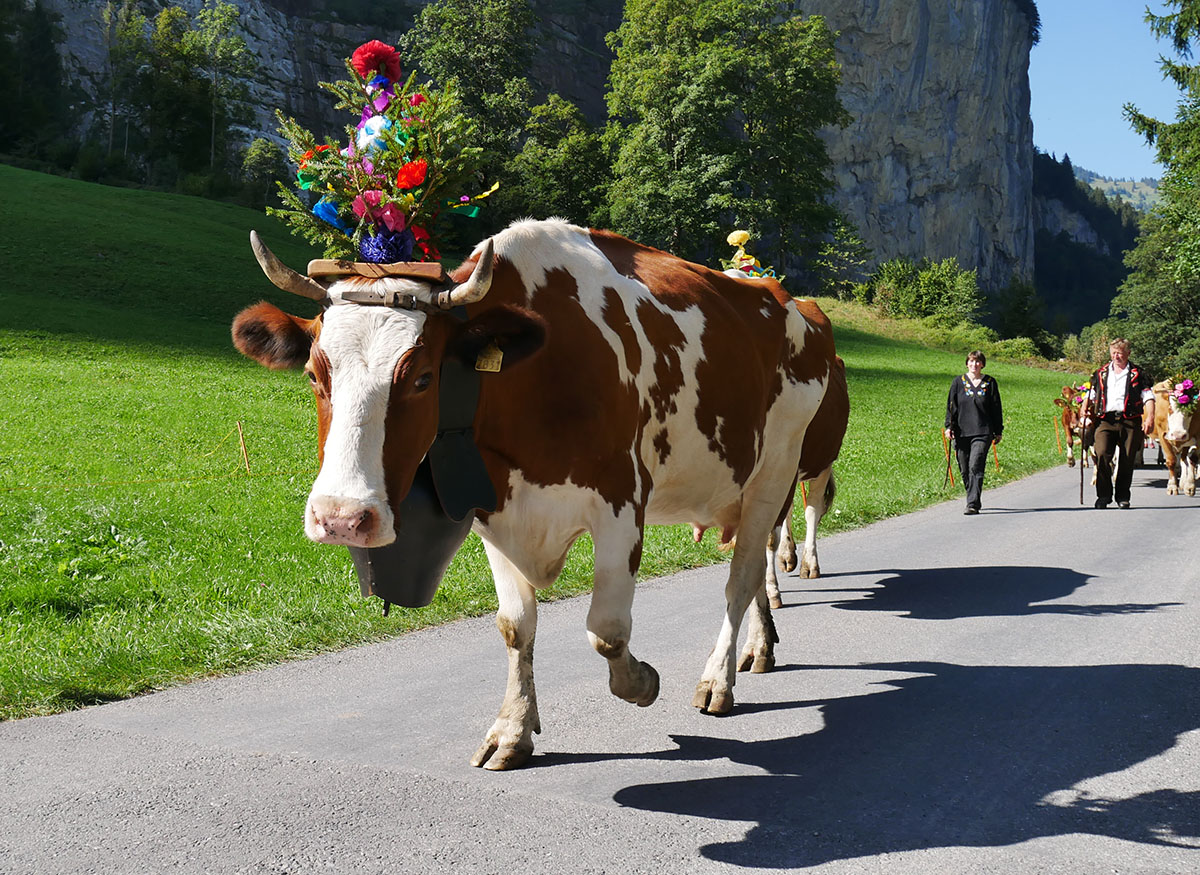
x,y
273,338
519,333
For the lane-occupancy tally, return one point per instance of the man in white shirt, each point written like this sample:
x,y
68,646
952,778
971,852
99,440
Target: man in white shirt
x,y
1122,395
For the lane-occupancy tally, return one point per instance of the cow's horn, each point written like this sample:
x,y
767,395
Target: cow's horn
x,y
477,283
282,275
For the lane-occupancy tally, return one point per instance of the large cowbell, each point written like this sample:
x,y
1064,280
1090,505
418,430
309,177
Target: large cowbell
x,y
433,520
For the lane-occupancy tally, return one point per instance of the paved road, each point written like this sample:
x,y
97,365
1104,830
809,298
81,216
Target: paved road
x,y
1017,692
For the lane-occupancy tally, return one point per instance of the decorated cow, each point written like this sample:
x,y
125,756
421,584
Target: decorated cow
x,y
562,381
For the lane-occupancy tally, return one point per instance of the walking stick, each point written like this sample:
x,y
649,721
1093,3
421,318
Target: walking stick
x,y
949,478
996,458
1082,454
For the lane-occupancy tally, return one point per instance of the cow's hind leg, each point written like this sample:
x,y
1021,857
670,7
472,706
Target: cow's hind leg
x,y
509,743
610,616
820,498
714,693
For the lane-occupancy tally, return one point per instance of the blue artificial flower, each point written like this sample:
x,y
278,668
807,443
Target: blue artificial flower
x,y
387,246
326,209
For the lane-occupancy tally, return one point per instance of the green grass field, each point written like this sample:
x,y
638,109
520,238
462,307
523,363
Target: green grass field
x,y
136,552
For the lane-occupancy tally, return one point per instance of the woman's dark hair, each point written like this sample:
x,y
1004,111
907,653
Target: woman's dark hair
x,y
979,356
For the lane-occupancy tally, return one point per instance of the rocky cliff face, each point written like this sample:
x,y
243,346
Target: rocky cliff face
x,y
1054,216
939,159
937,163
293,54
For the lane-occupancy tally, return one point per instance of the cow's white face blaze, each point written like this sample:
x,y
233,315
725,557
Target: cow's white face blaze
x,y
362,348
1177,426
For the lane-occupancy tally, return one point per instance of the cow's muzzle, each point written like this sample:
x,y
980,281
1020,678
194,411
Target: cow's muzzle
x,y
332,519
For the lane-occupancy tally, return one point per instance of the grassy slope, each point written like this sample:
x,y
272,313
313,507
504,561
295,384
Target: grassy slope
x,y
134,550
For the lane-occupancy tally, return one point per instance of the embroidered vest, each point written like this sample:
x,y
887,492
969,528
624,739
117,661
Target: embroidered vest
x,y
1133,391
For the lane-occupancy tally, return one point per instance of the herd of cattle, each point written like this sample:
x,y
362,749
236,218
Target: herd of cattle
x,y
1176,433
624,387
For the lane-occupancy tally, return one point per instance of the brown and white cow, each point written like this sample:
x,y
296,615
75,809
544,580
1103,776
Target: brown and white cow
x,y
663,392
1177,434
822,443
1072,427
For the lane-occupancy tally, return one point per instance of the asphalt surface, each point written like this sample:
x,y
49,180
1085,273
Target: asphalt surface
x,y
1016,692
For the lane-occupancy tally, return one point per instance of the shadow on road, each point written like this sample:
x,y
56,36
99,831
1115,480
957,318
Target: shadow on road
x,y
987,591
955,756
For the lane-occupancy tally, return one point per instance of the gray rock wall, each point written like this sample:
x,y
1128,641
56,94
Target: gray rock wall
x,y
939,159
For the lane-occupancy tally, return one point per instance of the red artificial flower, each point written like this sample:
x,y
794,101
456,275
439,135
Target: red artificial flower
x,y
376,57
411,174
417,99
429,252
308,156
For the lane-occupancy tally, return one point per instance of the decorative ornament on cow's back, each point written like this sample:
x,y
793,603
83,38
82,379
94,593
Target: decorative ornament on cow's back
x,y
743,260
405,166
1184,393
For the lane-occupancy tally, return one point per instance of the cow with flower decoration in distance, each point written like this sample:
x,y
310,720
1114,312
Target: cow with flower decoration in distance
x,y
1072,426
1177,430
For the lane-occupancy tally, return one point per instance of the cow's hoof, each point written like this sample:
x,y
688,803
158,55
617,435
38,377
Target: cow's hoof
x,y
712,701
1070,463
810,571
756,663
501,758
650,691
788,562
640,687
1172,490
776,602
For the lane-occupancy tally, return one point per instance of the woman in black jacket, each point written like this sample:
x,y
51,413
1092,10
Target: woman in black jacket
x,y
974,421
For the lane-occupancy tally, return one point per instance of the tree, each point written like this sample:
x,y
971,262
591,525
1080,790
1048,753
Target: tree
x,y
126,54
563,168
31,106
482,49
716,108
221,53
1159,300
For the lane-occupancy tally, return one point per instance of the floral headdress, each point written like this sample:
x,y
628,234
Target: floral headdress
x,y
743,260
1076,394
1184,393
381,197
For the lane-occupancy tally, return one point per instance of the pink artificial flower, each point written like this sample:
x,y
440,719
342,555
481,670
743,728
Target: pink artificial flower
x,y
1183,399
392,218
366,202
1187,384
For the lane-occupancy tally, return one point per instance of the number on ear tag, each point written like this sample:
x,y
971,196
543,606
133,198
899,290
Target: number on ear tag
x,y
489,359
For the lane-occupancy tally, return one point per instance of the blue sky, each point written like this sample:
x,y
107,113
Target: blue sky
x,y
1095,56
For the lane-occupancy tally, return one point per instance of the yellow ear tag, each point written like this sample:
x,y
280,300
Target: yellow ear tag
x,y
489,359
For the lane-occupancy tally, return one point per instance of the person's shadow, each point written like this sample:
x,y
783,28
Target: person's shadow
x,y
955,593
957,755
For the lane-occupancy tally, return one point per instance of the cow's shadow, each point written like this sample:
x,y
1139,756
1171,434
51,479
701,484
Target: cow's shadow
x,y
980,591
951,756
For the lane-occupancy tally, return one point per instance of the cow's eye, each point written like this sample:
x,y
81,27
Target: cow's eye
x,y
312,377
422,382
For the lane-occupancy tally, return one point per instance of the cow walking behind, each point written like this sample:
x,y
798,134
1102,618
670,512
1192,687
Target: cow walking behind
x,y
1177,434
635,389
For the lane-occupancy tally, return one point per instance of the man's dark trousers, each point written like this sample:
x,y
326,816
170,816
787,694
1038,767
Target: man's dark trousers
x,y
972,461
1124,436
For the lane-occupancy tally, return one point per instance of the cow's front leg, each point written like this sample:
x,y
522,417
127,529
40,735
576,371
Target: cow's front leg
x,y
1071,451
759,653
509,743
618,552
1187,466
